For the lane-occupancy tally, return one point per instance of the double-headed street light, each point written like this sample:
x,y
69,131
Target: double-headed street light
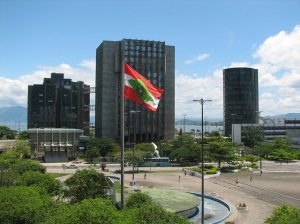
x,y
133,112
202,102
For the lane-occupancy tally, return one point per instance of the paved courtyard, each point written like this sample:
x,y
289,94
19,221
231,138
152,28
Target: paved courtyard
x,y
279,183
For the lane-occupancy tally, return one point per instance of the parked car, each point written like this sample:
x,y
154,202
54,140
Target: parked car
x,y
72,166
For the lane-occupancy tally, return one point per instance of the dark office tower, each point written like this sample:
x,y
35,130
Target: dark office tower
x,y
240,97
59,103
156,62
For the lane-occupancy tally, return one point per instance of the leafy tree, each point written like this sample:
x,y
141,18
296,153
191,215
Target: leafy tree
x,y
23,148
7,132
10,155
86,184
182,140
221,151
187,153
37,179
165,149
24,165
104,146
90,154
23,135
152,214
252,135
283,215
145,147
90,211
23,205
282,155
8,175
264,149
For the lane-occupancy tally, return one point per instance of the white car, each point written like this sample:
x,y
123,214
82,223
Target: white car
x,y
72,166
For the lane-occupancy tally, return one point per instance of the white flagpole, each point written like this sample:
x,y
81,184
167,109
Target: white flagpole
x,y
122,124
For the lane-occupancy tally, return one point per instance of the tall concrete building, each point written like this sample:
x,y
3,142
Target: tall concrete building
x,y
59,103
155,61
240,97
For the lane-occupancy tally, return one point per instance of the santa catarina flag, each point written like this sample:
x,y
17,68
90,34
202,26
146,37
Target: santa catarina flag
x,y
139,89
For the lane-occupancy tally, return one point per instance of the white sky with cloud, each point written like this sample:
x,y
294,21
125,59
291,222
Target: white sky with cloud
x,y
200,57
279,79
13,92
278,62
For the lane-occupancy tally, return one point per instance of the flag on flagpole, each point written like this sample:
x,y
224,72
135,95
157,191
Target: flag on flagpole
x,y
139,89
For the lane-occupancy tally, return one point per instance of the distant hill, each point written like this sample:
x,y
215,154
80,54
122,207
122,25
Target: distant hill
x,y
285,116
13,114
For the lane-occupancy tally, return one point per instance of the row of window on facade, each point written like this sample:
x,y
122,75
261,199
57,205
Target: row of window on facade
x,y
150,54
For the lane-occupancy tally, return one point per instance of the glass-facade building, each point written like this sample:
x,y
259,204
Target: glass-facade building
x,y
240,97
155,61
59,103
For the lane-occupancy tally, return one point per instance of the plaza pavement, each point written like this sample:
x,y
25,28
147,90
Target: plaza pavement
x,y
279,183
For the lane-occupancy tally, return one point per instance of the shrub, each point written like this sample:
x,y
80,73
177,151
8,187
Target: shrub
x,y
212,171
229,169
137,200
254,165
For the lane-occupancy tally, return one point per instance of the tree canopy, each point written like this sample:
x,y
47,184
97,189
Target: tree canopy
x,y
24,205
6,132
284,214
104,146
252,136
221,151
89,211
86,184
42,180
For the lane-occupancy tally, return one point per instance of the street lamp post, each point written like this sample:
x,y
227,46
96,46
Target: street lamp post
x,y
202,101
133,112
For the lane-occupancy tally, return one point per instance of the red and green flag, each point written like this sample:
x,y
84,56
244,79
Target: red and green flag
x,y
140,90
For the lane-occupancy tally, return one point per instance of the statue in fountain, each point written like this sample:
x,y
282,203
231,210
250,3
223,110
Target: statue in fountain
x,y
156,152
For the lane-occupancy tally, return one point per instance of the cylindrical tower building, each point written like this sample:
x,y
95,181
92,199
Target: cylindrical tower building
x,y
240,97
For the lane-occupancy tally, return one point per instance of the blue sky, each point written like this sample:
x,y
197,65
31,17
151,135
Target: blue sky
x,y
38,37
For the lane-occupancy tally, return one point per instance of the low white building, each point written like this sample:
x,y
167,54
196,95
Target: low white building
x,y
54,144
289,130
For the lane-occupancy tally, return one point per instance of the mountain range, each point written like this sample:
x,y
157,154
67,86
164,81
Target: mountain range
x,y
13,114
19,114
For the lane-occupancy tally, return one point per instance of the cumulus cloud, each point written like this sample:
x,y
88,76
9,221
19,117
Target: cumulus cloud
x,y
279,69
190,87
14,92
279,79
200,57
